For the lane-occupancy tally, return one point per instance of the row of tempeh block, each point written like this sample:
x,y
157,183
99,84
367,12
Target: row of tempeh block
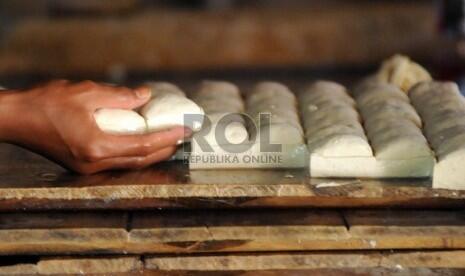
x,y
370,131
391,143
270,136
442,109
395,132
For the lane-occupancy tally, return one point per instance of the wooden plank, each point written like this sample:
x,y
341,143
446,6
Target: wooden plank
x,y
302,36
182,265
197,231
305,261
65,232
290,230
319,272
407,228
28,181
89,265
18,269
233,231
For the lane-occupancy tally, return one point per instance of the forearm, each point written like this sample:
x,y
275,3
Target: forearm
x,y
57,120
11,114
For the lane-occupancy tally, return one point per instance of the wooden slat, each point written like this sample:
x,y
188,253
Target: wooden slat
x,y
52,233
298,230
28,181
303,36
255,230
89,265
407,228
19,269
60,220
374,263
319,272
182,231
305,261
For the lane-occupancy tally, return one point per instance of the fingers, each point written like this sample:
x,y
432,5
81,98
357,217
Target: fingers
x,y
120,97
125,162
98,95
110,146
136,145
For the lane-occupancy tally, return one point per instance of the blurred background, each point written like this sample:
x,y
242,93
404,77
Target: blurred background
x,y
125,41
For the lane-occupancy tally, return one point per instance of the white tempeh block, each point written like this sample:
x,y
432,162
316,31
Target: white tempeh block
x,y
120,121
249,156
340,145
386,105
337,141
225,128
280,134
219,97
222,103
370,167
270,92
159,87
273,108
166,109
442,109
170,108
332,123
282,130
378,92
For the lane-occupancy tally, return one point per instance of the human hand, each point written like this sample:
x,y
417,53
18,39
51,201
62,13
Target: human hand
x,y
56,120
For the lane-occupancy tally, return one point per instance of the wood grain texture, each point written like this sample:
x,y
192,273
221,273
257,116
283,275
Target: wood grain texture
x,y
28,181
201,231
235,231
89,265
375,271
400,261
70,232
196,40
18,269
407,228
374,263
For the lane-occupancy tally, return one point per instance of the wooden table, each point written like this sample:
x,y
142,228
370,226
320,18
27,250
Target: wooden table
x,y
222,221
30,182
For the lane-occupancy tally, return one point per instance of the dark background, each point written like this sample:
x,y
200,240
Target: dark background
x,y
128,41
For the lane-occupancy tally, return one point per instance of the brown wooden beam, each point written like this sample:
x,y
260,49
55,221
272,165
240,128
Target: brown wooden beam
x,y
215,231
342,34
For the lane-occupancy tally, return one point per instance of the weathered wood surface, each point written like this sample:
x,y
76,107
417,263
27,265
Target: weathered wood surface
x,y
196,231
118,265
403,260
28,181
349,263
199,40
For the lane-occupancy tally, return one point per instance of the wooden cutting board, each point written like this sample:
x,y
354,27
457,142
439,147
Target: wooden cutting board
x,y
28,181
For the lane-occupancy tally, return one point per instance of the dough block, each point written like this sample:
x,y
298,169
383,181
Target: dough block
x,y
401,137
120,121
402,72
370,167
248,142
442,109
249,156
167,108
332,124
390,143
